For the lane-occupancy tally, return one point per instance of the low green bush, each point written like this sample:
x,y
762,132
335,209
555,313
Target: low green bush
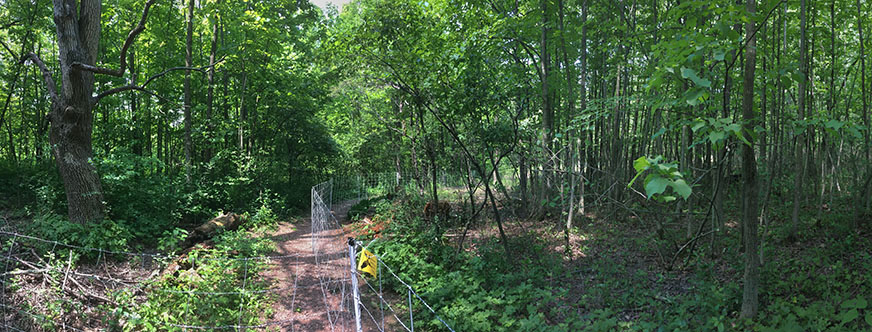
x,y
216,290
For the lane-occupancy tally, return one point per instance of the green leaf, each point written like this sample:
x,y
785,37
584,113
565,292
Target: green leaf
x,y
691,74
717,136
834,124
849,316
719,55
697,125
694,96
656,185
857,303
641,164
869,318
682,188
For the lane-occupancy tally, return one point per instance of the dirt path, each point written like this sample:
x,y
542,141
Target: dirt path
x,y
311,288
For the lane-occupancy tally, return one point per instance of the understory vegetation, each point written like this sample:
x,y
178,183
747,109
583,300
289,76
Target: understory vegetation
x,y
821,282
524,165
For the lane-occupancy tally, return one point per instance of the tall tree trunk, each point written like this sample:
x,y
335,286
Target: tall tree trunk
x,y
570,111
138,138
750,206
242,113
188,63
863,78
799,156
210,99
582,89
547,108
71,114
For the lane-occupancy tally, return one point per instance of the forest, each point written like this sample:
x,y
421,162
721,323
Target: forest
x,y
507,165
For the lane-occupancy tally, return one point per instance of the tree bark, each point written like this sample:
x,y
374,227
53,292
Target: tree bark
x,y
799,156
187,106
750,303
71,115
863,78
210,99
547,108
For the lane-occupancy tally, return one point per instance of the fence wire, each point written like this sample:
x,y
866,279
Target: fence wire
x,y
330,247
98,283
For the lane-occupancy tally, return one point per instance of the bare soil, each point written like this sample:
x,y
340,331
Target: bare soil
x,y
318,294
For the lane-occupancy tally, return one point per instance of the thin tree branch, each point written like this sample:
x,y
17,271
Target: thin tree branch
x,y
127,88
197,69
131,37
46,76
11,52
142,88
9,25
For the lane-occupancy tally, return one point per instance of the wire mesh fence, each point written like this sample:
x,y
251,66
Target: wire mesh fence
x,y
102,291
356,303
48,285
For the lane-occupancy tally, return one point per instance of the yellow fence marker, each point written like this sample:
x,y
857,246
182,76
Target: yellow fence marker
x,y
368,263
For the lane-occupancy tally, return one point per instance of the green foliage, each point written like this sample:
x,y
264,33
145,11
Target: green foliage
x,y
107,235
365,206
34,188
136,191
662,175
489,292
172,240
216,290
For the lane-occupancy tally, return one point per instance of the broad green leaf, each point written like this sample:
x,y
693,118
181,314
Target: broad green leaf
x,y
857,303
692,75
736,128
855,132
849,316
719,55
694,96
834,124
869,317
682,188
656,185
742,138
641,164
717,136
697,125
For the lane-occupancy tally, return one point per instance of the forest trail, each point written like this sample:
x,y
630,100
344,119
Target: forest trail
x,y
302,306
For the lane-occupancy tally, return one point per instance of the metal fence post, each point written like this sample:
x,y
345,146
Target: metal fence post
x,y
411,317
354,286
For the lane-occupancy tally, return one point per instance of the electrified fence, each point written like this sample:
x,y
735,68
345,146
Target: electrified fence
x,y
100,283
42,289
358,303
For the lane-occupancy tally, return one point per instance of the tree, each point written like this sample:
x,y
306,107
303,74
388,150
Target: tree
x,y
750,207
188,63
71,117
799,155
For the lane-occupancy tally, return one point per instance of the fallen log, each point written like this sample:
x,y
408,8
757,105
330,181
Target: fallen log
x,y
201,238
226,222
